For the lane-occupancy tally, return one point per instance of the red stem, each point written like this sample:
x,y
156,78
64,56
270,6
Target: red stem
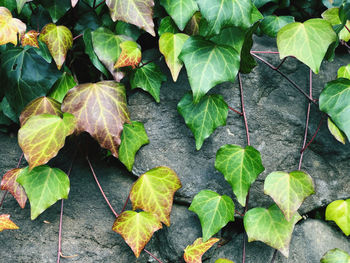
x,y
236,111
314,136
347,28
78,36
125,204
96,6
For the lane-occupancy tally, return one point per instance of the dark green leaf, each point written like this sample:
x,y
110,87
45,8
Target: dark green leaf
x,y
43,51
247,60
62,86
8,111
56,8
272,24
129,30
167,25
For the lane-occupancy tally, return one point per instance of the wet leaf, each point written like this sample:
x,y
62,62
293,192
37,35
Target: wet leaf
x,y
336,132
9,183
130,55
336,255
194,252
344,72
30,39
10,27
167,25
272,24
6,223
339,212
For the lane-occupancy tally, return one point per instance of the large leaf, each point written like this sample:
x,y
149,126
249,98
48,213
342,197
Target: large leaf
x,y
204,117
59,40
208,64
339,212
42,136
136,229
148,77
154,192
214,211
44,186
240,166
272,24
270,227
336,255
336,132
62,86
181,11
308,41
289,190
332,16
100,109
130,55
136,12
9,183
30,39
335,101
193,253
344,72
6,223
223,13
231,36
56,8
10,27
170,45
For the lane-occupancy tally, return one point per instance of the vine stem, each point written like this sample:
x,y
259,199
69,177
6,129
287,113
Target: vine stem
x,y
78,36
236,111
316,132
264,52
347,28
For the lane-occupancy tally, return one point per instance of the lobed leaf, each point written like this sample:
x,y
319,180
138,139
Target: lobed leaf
x,y
339,212
62,86
193,253
9,183
272,24
336,132
6,223
10,27
336,255
130,55
30,39
344,72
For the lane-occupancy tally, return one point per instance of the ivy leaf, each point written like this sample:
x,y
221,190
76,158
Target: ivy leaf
x,y
62,86
335,255
167,25
58,39
306,41
193,253
289,190
336,132
56,8
154,192
344,72
208,64
271,227
223,260
30,39
192,27
181,11
272,24
223,13
247,60
10,27
44,186
20,4
6,223
170,46
100,109
148,77
332,16
43,51
129,30
335,101
204,117
339,212
136,12
231,36
9,183
136,229
130,55
240,166
214,211
133,137
39,106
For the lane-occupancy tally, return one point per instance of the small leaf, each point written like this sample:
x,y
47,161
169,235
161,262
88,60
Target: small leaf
x,y
148,77
62,86
289,190
30,39
44,187
20,4
272,24
192,27
56,8
270,227
130,55
170,46
336,255
42,136
223,260
247,60
339,212
100,109
332,16
133,137
58,39
154,192
204,117
344,72
240,166
194,252
6,223
306,41
167,25
214,211
336,132
39,106
10,27
9,183
136,229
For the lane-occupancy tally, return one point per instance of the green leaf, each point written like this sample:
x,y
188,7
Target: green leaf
x,y
240,166
44,187
62,86
9,183
335,101
56,8
136,12
231,36
6,223
8,111
208,64
256,15
100,109
42,136
344,72
223,260
214,211
272,24
306,41
148,77
204,117
332,16
43,51
289,190
154,192
270,227
136,229
193,253
339,212
181,11
247,60
170,45
10,27
167,25
336,132
130,55
223,13
129,30
260,3
133,137
20,4
336,255
192,27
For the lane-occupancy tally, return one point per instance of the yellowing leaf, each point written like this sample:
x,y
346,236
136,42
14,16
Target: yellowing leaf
x,y
194,252
130,56
6,223
154,192
30,39
223,260
336,255
10,27
58,40
339,212
100,109
136,229
9,183
338,134
344,72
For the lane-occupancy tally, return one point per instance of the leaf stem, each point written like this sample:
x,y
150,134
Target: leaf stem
x,y
243,108
153,256
125,204
96,6
347,28
236,111
314,136
78,36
